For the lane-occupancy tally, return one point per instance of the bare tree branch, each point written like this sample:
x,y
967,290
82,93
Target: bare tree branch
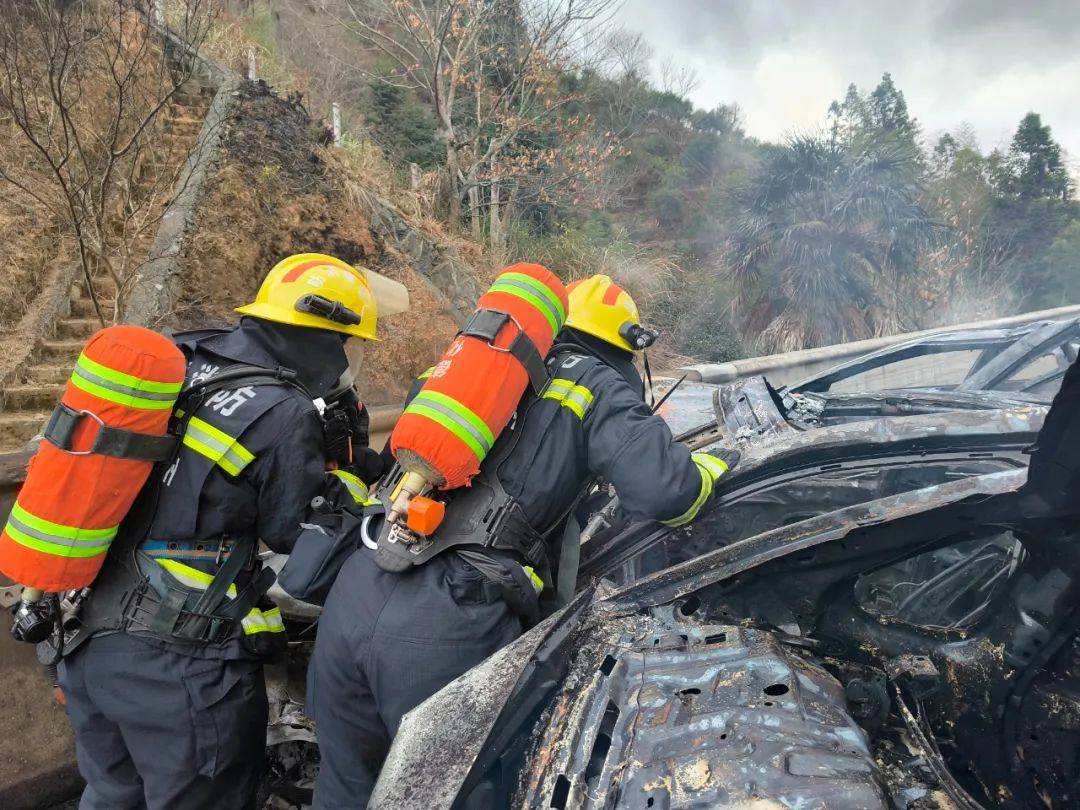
x,y
86,84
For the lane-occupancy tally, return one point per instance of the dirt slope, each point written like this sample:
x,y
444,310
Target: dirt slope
x,y
283,190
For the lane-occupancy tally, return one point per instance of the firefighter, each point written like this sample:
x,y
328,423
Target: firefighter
x,y
163,682
387,641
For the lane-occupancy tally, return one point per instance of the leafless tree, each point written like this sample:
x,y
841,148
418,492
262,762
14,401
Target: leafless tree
x,y
486,67
86,85
677,79
626,55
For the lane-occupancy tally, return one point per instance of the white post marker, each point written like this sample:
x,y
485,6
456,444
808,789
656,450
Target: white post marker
x,y
335,117
252,72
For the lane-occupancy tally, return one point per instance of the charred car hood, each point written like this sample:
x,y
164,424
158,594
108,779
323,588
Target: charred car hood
x,y
446,744
751,413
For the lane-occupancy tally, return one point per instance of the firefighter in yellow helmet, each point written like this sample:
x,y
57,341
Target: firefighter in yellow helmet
x,y
164,681
389,640
601,308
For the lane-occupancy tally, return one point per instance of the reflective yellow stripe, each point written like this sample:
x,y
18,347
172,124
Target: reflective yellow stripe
x,y
123,389
577,398
192,577
537,583
533,292
423,375
56,539
714,465
357,488
216,445
256,621
259,621
695,507
456,418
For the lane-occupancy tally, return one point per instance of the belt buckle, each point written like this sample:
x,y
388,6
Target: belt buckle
x,y
75,426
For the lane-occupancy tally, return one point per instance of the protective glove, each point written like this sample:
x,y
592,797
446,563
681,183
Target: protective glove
x,y
368,464
717,462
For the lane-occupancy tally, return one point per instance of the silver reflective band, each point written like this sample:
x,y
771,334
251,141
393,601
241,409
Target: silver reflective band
x,y
71,542
695,507
577,398
714,465
534,292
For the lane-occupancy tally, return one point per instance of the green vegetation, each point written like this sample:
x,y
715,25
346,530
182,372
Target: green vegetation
x,y
735,246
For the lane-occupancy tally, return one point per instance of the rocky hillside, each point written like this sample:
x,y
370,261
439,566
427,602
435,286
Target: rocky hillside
x,y
281,188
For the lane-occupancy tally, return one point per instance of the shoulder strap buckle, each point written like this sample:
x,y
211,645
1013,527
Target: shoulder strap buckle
x,y
108,440
486,324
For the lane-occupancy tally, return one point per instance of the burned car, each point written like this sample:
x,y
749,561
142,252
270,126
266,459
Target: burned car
x,y
873,614
969,369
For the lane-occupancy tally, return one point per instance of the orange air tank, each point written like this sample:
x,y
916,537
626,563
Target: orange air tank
x,y
450,426
74,499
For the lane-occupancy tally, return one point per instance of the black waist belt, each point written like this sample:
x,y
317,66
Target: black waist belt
x,y
173,610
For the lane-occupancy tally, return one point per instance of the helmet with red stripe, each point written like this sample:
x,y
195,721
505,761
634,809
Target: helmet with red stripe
x,y
317,291
601,308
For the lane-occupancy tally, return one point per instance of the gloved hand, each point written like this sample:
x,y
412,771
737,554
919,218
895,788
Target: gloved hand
x,y
717,462
367,464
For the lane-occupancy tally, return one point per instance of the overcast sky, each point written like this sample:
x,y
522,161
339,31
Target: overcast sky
x,y
985,62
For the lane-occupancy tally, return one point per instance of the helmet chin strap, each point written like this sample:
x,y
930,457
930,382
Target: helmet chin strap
x,y
646,383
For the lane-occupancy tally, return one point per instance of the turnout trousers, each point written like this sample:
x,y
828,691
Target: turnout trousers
x,y
157,729
386,642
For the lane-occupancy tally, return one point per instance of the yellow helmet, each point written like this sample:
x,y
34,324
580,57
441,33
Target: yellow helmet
x,y
601,308
319,291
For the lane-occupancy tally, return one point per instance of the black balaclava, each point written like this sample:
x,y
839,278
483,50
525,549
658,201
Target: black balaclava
x,y
621,360
316,355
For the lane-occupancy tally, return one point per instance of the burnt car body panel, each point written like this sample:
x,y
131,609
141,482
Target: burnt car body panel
x,y
984,712
994,357
799,474
708,715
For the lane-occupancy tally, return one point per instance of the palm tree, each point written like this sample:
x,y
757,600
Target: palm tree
x,y
826,236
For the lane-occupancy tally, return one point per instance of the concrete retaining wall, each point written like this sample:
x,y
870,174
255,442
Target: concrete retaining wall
x,y
157,285
792,367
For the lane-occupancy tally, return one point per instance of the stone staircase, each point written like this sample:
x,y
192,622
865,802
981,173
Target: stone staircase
x,y
26,404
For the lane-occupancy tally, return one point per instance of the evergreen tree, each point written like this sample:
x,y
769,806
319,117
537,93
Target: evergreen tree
x,y
883,112
887,108
1033,168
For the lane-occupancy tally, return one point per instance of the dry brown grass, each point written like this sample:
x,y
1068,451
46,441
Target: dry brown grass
x,y
31,240
361,170
302,198
114,169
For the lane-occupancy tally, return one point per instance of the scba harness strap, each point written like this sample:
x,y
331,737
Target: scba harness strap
x,y
108,441
486,324
136,591
484,515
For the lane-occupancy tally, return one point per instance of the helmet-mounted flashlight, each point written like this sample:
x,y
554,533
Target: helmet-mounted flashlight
x,y
638,336
325,308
